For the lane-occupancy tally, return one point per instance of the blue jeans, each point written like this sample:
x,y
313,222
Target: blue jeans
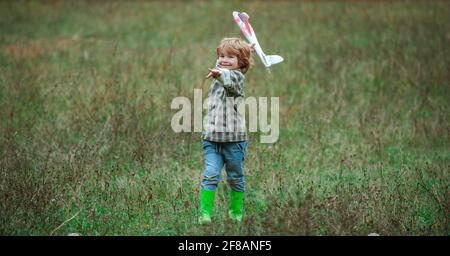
x,y
218,154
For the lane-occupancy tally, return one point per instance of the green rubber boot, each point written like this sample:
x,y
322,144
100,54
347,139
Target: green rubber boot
x,y
235,211
206,205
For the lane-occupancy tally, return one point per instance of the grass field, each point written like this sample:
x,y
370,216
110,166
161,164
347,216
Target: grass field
x,y
86,144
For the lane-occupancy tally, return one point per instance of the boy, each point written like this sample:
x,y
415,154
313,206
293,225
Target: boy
x,y
224,139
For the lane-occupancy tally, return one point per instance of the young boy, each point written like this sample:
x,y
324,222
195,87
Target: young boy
x,y
224,139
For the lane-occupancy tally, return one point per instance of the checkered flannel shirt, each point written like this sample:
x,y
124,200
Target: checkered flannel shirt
x,y
224,122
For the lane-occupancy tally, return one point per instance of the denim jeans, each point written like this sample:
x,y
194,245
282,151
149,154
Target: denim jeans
x,y
218,154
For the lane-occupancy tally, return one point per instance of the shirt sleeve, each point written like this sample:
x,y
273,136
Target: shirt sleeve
x,y
232,81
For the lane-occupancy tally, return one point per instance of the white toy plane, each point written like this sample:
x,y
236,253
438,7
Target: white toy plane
x,y
241,19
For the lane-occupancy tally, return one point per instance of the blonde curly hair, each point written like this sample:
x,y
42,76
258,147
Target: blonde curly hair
x,y
240,49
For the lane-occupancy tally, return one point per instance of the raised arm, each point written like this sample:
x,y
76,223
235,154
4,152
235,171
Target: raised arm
x,y
232,81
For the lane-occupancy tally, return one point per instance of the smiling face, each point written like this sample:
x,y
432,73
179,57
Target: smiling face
x,y
228,60
233,53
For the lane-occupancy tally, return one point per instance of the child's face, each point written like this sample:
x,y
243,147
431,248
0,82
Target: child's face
x,y
228,61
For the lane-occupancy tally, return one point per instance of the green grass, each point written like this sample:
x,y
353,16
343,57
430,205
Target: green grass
x,y
85,138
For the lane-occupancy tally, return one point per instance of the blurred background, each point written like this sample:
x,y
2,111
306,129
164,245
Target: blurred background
x,y
86,145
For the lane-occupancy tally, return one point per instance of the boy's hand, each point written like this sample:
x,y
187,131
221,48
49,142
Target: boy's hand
x,y
213,72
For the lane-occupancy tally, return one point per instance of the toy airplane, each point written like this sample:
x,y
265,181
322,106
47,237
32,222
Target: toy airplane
x,y
241,19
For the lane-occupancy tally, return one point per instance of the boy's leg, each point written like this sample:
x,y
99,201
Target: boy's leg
x,y
234,155
211,177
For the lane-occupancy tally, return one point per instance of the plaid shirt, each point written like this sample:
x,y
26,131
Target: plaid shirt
x,y
224,122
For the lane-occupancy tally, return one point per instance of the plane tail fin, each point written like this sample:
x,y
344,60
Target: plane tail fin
x,y
274,59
